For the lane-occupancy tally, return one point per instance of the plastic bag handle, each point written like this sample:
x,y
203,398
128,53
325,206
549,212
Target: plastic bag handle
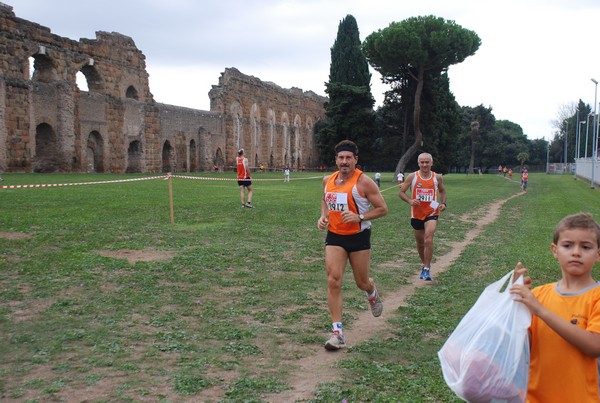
x,y
507,281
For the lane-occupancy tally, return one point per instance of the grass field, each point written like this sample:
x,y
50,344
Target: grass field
x,y
240,294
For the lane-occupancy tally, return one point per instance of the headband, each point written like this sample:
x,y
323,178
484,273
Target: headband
x,y
346,147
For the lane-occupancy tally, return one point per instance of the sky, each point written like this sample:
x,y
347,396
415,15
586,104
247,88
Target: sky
x,y
536,58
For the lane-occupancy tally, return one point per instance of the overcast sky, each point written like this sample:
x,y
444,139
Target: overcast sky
x,y
535,59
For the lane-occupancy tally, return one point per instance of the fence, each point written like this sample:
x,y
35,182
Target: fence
x,y
585,168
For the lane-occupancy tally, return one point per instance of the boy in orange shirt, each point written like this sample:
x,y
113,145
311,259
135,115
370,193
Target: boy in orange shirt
x,y
565,328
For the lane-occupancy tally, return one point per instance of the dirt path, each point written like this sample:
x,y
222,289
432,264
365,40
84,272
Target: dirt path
x,y
318,366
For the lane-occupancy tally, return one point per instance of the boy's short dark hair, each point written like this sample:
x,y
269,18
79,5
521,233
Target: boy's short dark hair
x,y
577,221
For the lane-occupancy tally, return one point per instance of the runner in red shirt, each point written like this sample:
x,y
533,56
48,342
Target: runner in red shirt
x,y
243,177
346,215
427,200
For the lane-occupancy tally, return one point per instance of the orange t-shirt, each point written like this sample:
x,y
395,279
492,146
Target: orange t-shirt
x,y
344,197
425,190
242,172
559,371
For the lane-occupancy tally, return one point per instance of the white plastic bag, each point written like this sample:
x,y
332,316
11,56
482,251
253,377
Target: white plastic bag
x,y
486,358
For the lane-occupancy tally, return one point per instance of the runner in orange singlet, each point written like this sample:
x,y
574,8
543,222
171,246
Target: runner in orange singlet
x,y
346,215
243,178
427,200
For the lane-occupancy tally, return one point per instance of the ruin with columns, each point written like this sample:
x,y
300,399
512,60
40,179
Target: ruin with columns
x,y
47,124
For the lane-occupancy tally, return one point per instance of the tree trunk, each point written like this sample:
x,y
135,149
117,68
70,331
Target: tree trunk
x,y
418,143
474,136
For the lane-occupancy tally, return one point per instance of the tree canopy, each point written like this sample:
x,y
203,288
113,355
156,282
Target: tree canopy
x,y
409,49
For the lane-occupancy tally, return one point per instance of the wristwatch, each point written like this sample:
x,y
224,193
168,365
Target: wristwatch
x,y
362,217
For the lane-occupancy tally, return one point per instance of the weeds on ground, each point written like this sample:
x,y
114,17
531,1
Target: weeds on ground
x,y
244,295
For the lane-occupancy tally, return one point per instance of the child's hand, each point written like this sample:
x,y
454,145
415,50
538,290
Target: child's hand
x,y
524,295
521,271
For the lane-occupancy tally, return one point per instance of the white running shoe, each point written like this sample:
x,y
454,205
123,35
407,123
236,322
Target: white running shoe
x,y
335,342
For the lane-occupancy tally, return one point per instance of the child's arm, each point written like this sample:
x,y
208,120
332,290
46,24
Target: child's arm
x,y
587,342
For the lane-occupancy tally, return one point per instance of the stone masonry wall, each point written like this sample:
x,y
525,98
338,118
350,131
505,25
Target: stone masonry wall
x,y
47,124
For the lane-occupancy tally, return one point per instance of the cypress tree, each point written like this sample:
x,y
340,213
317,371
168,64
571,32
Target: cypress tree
x,y
350,108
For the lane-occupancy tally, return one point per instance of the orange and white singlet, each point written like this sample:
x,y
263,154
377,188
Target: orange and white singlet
x,y
345,197
242,172
425,190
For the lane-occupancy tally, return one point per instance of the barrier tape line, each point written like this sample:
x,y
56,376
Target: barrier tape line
x,y
47,185
236,179
165,177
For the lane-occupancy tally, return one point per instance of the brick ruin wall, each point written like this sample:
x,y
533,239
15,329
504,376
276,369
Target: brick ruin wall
x,y
47,124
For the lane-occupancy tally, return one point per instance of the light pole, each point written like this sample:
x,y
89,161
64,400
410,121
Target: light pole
x,y
566,135
577,145
548,158
578,148
595,130
587,129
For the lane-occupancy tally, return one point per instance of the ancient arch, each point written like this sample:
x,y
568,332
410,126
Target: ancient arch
x,y
237,132
46,156
193,154
308,142
134,157
168,158
256,133
285,140
44,68
295,149
219,161
93,78
132,93
94,153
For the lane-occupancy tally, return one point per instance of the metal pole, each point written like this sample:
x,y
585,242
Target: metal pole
x,y
587,129
548,158
576,153
566,136
579,138
595,131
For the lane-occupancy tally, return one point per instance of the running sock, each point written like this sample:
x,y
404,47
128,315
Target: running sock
x,y
337,327
371,295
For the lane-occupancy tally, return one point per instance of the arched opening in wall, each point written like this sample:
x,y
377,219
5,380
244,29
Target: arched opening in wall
x,y
92,79
293,149
193,157
219,162
134,157
81,82
42,69
131,93
94,153
168,157
46,158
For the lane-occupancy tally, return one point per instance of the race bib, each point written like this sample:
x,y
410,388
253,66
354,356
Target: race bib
x,y
425,195
336,201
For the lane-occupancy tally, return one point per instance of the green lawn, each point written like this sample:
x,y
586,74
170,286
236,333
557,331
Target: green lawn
x,y
244,295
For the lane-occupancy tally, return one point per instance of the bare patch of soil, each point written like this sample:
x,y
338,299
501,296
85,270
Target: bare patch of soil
x,y
320,365
134,256
15,235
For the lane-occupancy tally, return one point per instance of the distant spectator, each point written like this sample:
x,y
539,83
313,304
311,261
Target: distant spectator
x,y
400,178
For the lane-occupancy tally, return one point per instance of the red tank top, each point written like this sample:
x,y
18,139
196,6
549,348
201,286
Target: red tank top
x,y
425,190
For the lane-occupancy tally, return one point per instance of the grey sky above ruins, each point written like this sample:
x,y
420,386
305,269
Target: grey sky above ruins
x,y
536,57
